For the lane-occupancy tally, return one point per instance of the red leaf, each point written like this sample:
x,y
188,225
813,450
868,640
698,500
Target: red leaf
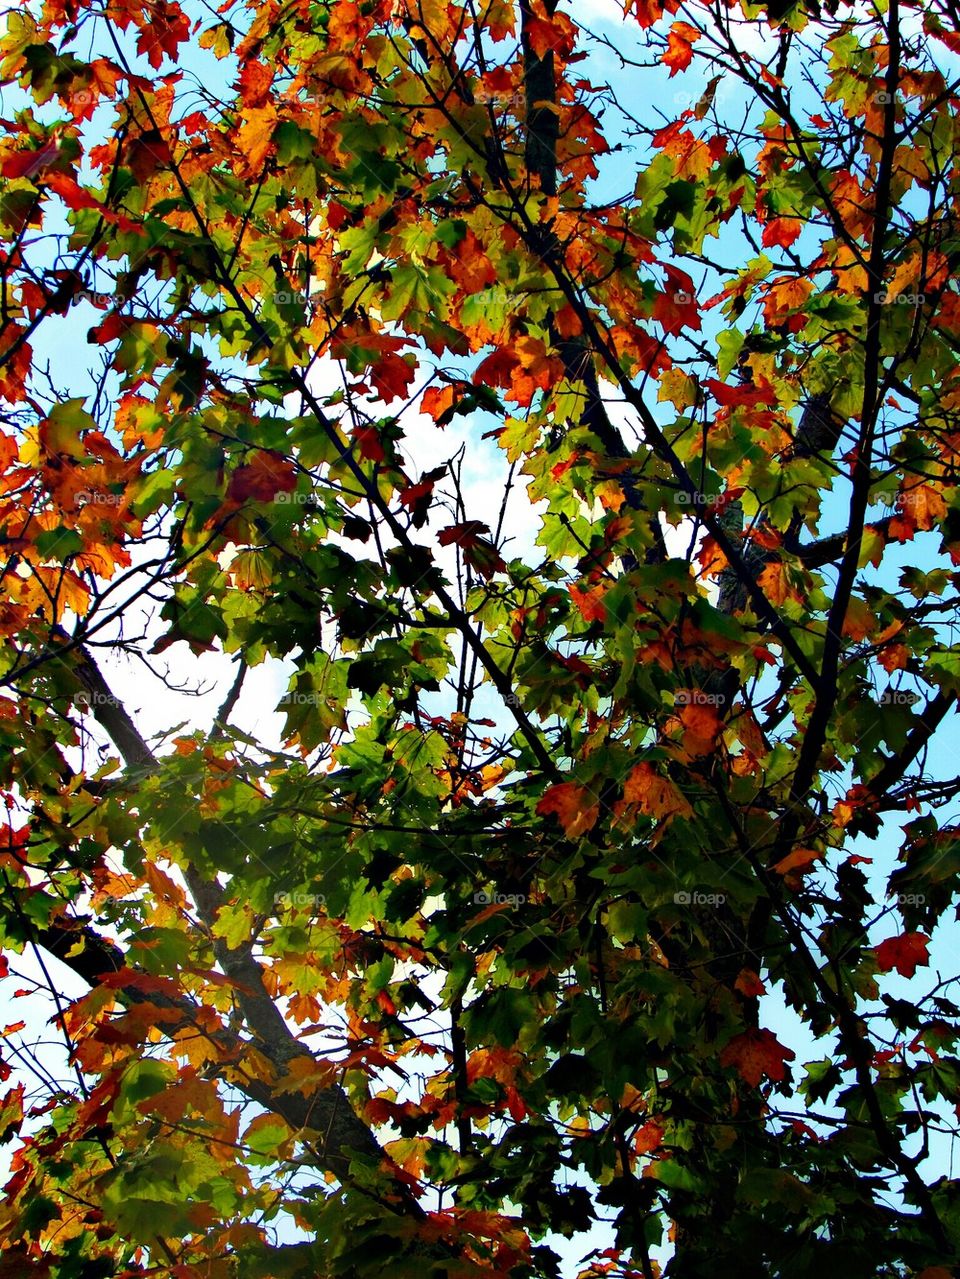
x,y
749,984
905,953
369,443
497,369
336,215
268,474
676,307
71,192
414,494
756,1053
465,535
742,395
392,377
782,231
647,12
26,164
146,983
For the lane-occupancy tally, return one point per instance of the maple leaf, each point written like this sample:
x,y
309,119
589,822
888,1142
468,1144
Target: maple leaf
x,y
800,859
392,376
649,1137
589,602
680,46
255,81
782,232
647,12
575,807
749,984
417,497
653,794
905,953
465,535
676,307
756,1053
437,401
701,728
369,443
166,30
262,478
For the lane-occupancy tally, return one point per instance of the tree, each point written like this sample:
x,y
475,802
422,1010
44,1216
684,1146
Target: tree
x,y
478,953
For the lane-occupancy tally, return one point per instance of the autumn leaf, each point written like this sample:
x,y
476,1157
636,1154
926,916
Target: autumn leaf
x,y
905,953
801,859
589,602
755,1054
575,807
437,402
680,46
653,794
255,80
260,480
701,728
781,231
749,984
676,307
465,535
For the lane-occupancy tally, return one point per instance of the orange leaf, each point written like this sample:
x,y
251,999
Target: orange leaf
x,y
775,582
569,803
701,728
905,953
654,795
680,46
255,81
589,602
799,859
648,1137
436,401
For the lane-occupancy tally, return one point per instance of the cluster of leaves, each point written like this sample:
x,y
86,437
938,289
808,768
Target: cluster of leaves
x,y
477,954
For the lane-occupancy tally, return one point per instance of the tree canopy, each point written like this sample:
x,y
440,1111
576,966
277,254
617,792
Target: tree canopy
x,y
561,405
